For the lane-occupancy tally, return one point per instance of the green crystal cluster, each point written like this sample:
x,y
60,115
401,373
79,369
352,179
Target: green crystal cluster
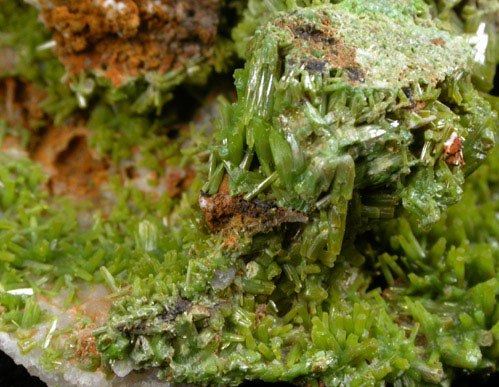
x,y
335,104
391,276
205,315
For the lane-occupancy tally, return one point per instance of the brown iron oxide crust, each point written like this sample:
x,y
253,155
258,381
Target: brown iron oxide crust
x,y
126,38
453,151
20,103
232,214
72,166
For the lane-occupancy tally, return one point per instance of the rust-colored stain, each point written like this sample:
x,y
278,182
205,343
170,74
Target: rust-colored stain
x,y
453,151
20,103
321,48
96,308
233,214
125,38
179,180
72,166
438,42
86,344
11,143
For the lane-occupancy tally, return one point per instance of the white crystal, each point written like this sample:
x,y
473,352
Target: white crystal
x,y
222,279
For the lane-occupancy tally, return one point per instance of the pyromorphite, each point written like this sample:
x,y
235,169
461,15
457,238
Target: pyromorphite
x,y
360,99
339,112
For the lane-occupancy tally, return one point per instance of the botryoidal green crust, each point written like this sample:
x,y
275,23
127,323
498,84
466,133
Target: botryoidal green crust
x,y
352,98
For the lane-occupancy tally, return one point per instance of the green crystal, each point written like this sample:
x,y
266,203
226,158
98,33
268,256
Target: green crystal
x,y
352,101
352,291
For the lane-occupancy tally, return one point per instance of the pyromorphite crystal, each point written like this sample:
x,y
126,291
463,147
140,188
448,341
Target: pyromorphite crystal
x,y
302,258
355,99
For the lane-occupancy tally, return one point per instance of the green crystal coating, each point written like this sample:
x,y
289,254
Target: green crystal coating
x,y
361,295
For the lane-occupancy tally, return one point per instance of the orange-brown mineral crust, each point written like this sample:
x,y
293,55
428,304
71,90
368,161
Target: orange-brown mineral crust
x,y
73,167
233,214
453,150
20,103
129,37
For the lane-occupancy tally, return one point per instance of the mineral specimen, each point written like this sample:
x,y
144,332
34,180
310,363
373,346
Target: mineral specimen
x,y
309,237
353,101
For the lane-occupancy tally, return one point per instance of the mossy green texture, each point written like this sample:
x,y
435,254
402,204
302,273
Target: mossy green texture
x,y
21,35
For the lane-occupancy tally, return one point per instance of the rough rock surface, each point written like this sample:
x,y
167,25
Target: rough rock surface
x,y
125,38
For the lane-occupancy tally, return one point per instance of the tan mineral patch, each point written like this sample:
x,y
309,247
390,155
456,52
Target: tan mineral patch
x,y
72,166
20,103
